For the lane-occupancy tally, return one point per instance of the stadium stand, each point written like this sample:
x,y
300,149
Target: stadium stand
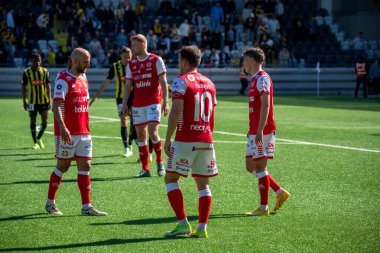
x,y
309,33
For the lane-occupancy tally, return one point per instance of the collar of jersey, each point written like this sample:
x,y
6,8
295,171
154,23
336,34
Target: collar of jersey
x,y
143,59
68,72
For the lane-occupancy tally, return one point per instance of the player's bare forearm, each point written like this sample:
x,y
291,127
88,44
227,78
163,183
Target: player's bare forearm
x,y
174,116
58,113
100,91
165,94
264,111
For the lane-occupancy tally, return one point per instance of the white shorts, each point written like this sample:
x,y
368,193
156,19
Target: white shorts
x,y
80,148
197,156
266,151
146,114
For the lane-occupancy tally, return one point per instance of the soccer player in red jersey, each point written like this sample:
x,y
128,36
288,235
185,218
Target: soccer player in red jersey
x,y
72,132
192,117
262,131
147,73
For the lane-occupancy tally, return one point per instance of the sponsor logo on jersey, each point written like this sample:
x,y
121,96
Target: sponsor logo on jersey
x,y
69,78
134,67
150,58
58,93
81,109
183,169
203,86
211,170
145,76
270,145
79,99
134,61
59,86
191,78
141,66
200,128
149,64
251,99
143,84
250,109
37,82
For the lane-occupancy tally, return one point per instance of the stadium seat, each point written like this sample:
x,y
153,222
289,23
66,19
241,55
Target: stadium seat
x,y
42,44
53,44
18,62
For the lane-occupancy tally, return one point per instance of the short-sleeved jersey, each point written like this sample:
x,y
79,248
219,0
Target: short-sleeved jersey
x,y
73,91
37,83
118,70
261,83
145,75
196,122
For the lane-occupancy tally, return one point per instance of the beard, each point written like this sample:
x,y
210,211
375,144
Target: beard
x,y
81,70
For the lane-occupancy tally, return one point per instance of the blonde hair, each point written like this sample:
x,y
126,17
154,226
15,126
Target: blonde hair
x,y
140,38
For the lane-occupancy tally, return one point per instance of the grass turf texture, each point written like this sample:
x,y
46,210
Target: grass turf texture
x,y
334,204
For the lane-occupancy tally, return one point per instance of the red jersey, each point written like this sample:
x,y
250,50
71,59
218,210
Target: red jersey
x,y
145,75
73,91
260,83
196,123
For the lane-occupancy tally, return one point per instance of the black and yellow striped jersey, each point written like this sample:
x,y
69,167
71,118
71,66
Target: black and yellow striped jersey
x,y
118,70
38,85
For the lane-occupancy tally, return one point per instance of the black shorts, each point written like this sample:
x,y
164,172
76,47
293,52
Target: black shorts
x,y
34,108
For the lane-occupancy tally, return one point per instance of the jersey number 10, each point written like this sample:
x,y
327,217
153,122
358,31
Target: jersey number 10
x,y
200,102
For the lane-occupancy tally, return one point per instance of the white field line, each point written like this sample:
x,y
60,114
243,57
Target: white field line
x,y
104,119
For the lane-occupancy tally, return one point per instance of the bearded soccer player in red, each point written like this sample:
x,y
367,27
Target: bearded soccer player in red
x,y
262,130
192,117
71,130
147,72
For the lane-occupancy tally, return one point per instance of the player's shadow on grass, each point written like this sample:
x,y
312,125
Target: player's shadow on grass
x,y
108,242
107,179
33,216
14,148
36,159
23,155
151,221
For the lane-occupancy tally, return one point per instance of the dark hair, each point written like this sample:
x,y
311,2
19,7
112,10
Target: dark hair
x,y
255,53
125,49
192,54
35,56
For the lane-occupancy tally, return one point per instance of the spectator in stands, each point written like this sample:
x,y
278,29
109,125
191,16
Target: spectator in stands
x,y
42,23
19,22
216,39
230,37
192,36
243,78
184,32
109,21
225,57
374,75
152,40
284,57
261,30
50,56
268,6
273,26
358,44
214,58
249,25
9,41
130,19
165,8
361,70
121,38
139,9
119,14
205,37
299,33
174,37
267,46
157,28
279,11
60,56
248,9
10,20
217,15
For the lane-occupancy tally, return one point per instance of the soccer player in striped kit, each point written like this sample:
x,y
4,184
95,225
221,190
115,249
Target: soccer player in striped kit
x,y
36,83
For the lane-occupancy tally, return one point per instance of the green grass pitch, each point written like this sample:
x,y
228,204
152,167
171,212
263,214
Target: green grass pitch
x,y
327,156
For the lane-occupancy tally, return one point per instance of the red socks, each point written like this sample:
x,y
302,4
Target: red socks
x,y
264,183
157,149
84,184
55,182
273,184
144,156
204,205
176,201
